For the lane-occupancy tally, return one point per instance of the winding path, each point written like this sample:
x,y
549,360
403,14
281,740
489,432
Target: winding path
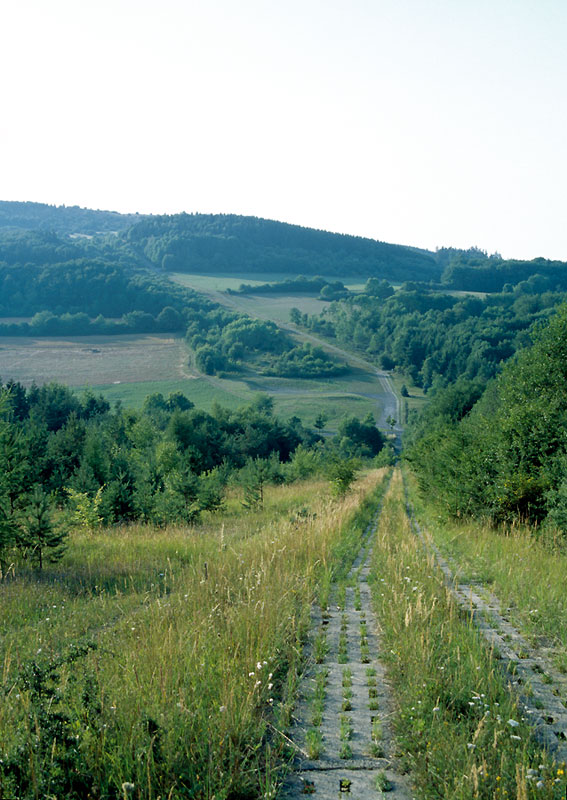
x,y
385,397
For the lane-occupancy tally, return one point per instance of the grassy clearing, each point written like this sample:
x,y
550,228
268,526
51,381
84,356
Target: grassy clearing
x,y
164,662
525,569
223,281
277,306
416,399
201,391
458,727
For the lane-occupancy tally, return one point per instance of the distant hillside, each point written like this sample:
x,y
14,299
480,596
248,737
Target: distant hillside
x,y
494,274
231,243
61,219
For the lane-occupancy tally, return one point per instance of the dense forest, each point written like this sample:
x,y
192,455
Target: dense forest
x,y
68,459
432,337
492,440
62,219
496,275
230,243
502,454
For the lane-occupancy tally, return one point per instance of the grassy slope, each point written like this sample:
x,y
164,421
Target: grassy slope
x,y
525,569
198,634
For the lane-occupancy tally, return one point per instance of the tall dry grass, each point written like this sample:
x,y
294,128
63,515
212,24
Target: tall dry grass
x,y
198,635
460,730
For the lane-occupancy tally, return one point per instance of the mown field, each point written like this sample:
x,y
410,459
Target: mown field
x,y
92,360
129,368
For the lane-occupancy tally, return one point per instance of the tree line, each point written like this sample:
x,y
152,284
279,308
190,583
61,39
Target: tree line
x,y
500,451
433,337
68,459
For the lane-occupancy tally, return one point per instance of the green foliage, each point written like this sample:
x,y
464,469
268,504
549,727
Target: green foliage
x,y
205,243
38,538
305,361
435,338
85,509
504,458
492,274
254,476
359,438
47,757
342,474
320,421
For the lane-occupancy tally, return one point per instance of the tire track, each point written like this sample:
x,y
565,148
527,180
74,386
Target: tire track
x,y
342,732
541,689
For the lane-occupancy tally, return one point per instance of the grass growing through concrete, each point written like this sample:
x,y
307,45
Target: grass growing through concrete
x,y
167,660
458,726
525,567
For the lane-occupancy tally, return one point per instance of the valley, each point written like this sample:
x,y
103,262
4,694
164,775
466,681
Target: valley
x,y
221,575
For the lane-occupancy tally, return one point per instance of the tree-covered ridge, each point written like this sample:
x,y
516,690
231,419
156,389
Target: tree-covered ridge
x,y
430,336
232,243
493,274
62,219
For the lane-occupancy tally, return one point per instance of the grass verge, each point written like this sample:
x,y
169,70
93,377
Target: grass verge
x,y
458,727
523,566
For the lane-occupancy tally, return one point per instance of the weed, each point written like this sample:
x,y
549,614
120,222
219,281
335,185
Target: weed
x,y
314,744
345,728
320,648
345,750
376,730
382,783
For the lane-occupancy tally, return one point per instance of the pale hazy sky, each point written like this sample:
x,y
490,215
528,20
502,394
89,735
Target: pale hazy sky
x,y
423,122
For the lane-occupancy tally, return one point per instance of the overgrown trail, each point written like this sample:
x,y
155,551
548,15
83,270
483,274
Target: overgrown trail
x,y
538,684
342,731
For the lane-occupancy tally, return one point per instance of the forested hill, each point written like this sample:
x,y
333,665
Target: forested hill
x,y
61,219
227,242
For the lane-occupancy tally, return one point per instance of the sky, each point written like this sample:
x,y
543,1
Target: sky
x,y
422,122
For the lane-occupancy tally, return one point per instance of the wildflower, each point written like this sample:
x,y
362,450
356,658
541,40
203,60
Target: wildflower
x,y
436,708
251,674
259,665
222,709
517,738
560,771
471,746
512,723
